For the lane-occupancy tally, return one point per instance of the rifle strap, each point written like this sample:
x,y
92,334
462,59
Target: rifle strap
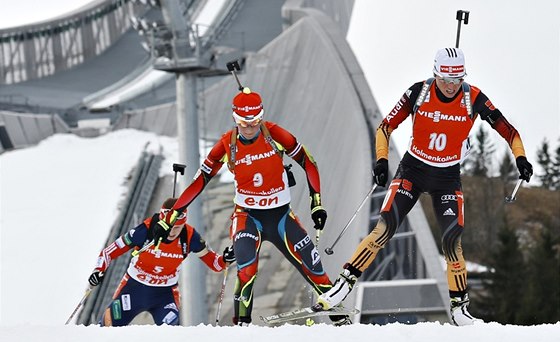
x,y
233,142
426,88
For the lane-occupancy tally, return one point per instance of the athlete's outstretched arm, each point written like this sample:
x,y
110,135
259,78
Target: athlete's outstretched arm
x,y
209,168
402,109
198,245
484,107
382,136
133,238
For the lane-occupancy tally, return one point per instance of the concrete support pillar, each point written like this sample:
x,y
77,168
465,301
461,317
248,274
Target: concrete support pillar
x,y
194,306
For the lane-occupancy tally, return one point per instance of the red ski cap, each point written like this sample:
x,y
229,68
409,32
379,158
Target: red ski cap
x,y
247,106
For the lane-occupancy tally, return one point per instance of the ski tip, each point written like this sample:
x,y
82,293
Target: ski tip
x,y
267,320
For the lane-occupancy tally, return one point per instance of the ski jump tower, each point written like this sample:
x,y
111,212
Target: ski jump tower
x,y
295,54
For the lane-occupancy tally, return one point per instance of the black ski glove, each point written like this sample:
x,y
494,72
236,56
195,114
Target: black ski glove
x,y
525,168
161,232
96,278
318,213
163,227
229,255
381,172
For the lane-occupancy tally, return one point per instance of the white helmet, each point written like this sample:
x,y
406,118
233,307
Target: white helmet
x,y
450,62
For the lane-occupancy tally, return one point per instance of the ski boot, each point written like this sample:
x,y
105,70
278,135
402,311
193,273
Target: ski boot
x,y
459,313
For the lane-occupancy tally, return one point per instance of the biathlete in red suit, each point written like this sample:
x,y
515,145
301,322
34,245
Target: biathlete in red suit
x,y
253,151
150,282
443,110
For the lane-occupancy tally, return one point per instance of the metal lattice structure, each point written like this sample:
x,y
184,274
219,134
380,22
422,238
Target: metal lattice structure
x,y
43,49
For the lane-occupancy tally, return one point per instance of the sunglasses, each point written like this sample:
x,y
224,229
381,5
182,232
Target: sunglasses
x,y
180,217
449,80
251,123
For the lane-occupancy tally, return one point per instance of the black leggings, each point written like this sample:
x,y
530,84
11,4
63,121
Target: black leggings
x,y
281,227
411,180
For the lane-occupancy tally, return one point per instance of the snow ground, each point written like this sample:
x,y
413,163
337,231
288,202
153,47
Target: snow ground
x,y
324,333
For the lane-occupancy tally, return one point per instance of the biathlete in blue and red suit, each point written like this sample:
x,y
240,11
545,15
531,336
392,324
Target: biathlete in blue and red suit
x,y
443,110
150,282
253,151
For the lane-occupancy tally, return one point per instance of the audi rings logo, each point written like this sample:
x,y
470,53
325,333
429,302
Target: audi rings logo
x,y
446,198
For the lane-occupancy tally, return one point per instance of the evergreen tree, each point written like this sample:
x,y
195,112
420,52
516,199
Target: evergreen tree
x,y
556,169
480,161
508,171
542,298
505,284
544,160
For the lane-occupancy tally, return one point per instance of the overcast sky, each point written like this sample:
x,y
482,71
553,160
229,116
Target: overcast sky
x,y
512,53
23,12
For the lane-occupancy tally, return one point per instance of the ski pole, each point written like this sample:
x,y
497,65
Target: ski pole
x,y
511,199
329,250
143,249
233,67
317,237
222,292
176,168
310,320
461,16
88,291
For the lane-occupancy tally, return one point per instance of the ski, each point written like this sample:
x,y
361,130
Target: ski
x,y
306,313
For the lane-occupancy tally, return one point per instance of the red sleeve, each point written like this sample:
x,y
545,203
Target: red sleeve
x,y
505,129
299,153
209,168
488,112
111,252
400,112
214,261
510,134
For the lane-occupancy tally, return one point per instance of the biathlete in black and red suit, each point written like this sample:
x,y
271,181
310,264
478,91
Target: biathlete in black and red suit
x,y
443,110
253,151
150,282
